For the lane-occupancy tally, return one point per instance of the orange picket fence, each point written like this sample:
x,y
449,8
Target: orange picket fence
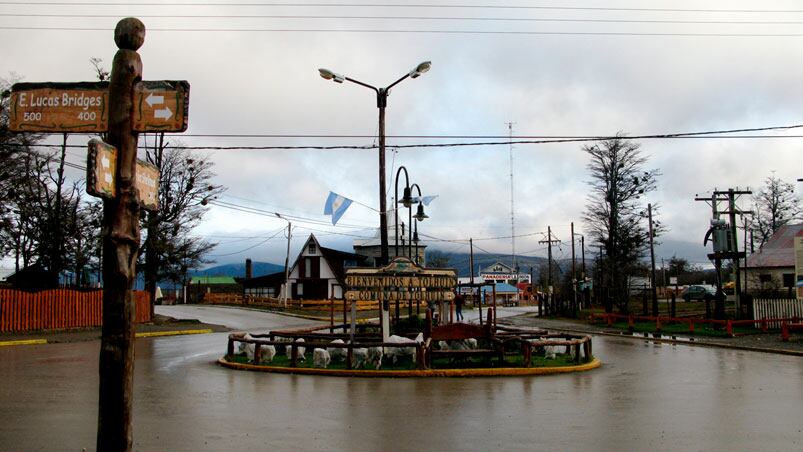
x,y
59,309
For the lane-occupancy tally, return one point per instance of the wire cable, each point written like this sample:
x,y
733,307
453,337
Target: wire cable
x,y
409,5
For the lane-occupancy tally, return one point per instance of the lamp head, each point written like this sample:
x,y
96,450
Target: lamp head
x,y
407,200
420,69
329,75
419,214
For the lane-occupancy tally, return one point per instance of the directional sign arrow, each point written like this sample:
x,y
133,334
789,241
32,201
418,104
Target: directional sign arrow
x,y
152,99
164,113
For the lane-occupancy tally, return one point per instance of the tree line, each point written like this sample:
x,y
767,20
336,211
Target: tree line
x,y
615,217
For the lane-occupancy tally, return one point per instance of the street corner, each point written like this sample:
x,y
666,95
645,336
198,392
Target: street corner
x,y
12,343
173,333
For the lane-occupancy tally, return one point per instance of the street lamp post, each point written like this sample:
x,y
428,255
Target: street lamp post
x,y
419,216
286,262
381,103
407,201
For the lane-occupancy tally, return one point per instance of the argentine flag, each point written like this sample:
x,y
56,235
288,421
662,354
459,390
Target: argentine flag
x,y
428,199
336,206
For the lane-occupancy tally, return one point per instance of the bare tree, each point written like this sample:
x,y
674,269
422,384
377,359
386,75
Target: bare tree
x,y
614,212
775,206
185,187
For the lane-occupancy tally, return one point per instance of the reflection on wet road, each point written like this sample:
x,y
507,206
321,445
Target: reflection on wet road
x,y
645,397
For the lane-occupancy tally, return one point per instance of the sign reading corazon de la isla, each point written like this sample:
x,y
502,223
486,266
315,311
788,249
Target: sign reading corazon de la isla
x,y
400,280
159,106
101,164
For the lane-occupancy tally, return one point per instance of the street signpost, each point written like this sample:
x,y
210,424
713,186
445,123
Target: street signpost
x,y
122,108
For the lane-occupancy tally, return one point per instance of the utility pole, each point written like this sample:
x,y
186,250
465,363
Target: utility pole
x,y
585,301
478,300
549,304
287,265
728,250
574,276
652,265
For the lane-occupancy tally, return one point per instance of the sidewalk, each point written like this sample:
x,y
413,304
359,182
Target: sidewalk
x,y
161,326
766,342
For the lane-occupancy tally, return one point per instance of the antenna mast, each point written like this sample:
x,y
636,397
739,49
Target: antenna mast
x,y
512,205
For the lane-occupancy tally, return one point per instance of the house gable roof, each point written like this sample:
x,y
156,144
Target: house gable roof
x,y
335,259
779,251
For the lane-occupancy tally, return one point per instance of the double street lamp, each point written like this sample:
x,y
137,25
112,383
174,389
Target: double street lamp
x,y
381,103
407,200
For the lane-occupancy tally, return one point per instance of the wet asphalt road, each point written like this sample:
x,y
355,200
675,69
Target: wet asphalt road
x,y
645,397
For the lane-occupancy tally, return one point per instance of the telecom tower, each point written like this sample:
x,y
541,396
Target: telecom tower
x,y
512,204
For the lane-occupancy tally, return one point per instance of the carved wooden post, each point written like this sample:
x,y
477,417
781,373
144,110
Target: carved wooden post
x,y
120,245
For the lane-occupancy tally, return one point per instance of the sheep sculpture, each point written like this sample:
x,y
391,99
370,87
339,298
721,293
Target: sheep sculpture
x,y
321,358
266,354
398,352
301,350
336,353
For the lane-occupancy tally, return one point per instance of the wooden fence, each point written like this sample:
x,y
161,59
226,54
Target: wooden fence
x,y
59,309
777,308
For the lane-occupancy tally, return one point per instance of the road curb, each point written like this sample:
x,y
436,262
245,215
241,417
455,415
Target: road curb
x,y
173,333
693,341
23,342
451,373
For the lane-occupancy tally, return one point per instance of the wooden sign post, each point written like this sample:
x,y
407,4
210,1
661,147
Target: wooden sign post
x,y
123,107
120,246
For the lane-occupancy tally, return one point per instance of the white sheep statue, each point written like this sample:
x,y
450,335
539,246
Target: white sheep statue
x,y
321,358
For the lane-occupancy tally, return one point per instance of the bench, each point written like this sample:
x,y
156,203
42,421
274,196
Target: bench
x,y
462,331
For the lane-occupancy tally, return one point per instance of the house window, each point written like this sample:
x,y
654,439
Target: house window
x,y
311,248
789,280
300,289
308,267
765,277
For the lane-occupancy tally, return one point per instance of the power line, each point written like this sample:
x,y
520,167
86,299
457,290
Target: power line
x,y
411,5
250,247
437,32
422,18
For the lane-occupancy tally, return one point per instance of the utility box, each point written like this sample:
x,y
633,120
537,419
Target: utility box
x,y
720,235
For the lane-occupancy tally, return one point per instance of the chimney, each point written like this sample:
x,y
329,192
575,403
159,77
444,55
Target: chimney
x,y
249,273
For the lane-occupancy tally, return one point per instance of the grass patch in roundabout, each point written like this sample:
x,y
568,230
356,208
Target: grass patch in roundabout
x,y
441,367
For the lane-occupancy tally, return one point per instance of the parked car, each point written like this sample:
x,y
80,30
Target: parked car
x,y
698,293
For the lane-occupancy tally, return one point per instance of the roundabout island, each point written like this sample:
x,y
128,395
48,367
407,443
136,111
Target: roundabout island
x,y
432,346
449,350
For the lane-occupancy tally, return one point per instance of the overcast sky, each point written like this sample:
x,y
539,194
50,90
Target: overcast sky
x,y
604,69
